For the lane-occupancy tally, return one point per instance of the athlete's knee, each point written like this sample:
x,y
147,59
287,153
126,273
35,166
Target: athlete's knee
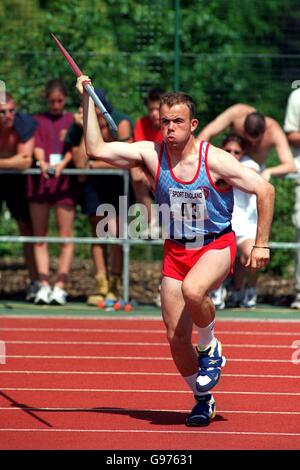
x,y
192,293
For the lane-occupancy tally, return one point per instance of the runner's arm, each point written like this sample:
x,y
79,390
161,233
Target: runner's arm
x,y
119,154
226,167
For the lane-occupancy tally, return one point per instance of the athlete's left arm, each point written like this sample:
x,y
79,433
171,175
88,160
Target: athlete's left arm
x,y
225,166
284,153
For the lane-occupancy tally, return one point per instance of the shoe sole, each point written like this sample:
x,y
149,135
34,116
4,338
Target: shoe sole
x,y
201,422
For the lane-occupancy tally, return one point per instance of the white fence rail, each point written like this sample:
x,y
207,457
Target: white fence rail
x,y
127,242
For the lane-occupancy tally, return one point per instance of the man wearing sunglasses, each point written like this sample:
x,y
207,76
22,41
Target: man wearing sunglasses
x,y
16,148
261,134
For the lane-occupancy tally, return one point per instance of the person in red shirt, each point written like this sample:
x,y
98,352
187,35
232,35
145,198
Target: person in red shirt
x,y
147,128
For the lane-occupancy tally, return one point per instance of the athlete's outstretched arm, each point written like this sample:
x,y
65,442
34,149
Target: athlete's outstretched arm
x,y
119,154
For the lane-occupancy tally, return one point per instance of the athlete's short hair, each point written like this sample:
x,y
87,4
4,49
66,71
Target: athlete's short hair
x,y
170,99
255,124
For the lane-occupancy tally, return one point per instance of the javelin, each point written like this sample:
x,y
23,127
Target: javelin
x,y
88,87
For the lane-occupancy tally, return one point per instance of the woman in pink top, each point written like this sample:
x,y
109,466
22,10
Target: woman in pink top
x,y
52,189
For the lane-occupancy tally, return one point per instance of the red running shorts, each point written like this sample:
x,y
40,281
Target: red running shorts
x,y
178,260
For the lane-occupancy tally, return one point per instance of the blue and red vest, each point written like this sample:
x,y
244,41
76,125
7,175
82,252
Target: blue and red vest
x,y
197,207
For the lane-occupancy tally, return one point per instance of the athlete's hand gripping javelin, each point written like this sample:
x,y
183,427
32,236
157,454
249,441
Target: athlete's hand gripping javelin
x,y
87,85
122,155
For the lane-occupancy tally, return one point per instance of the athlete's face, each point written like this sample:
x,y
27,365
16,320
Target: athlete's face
x,y
176,124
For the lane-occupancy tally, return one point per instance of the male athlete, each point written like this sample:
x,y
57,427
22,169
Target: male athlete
x,y
184,172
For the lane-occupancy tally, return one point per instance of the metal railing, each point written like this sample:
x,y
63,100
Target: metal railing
x,y
83,240
124,242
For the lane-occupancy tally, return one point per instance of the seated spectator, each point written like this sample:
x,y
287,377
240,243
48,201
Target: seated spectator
x,y
16,149
244,224
52,190
99,189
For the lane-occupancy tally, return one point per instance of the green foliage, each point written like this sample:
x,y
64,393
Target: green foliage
x,y
8,227
231,52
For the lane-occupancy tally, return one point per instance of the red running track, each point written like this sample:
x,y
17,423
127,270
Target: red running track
x,y
111,384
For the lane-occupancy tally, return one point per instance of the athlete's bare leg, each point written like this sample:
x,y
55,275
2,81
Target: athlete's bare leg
x,y
207,274
179,327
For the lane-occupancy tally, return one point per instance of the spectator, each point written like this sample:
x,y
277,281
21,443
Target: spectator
x,y
147,128
244,224
292,128
124,124
260,134
16,149
97,190
52,189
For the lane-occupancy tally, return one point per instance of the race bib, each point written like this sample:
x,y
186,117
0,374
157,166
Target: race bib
x,y
55,158
188,205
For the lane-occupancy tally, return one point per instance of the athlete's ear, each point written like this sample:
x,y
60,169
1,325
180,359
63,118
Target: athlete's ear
x,y
194,124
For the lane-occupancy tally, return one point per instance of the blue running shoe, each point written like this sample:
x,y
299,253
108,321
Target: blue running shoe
x,y
210,363
203,412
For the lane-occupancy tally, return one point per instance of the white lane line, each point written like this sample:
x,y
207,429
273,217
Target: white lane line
x,y
144,318
157,374
115,390
97,319
167,431
143,410
85,330
134,358
134,343
142,330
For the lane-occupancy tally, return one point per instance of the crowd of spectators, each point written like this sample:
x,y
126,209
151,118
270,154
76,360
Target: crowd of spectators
x,y
53,140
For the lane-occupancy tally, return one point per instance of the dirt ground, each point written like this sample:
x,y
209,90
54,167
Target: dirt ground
x,y
144,280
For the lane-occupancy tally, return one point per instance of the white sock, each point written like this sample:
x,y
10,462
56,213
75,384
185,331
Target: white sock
x,y
206,335
191,382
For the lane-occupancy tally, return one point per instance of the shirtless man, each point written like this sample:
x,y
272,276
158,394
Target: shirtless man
x,y
260,134
182,170
16,149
